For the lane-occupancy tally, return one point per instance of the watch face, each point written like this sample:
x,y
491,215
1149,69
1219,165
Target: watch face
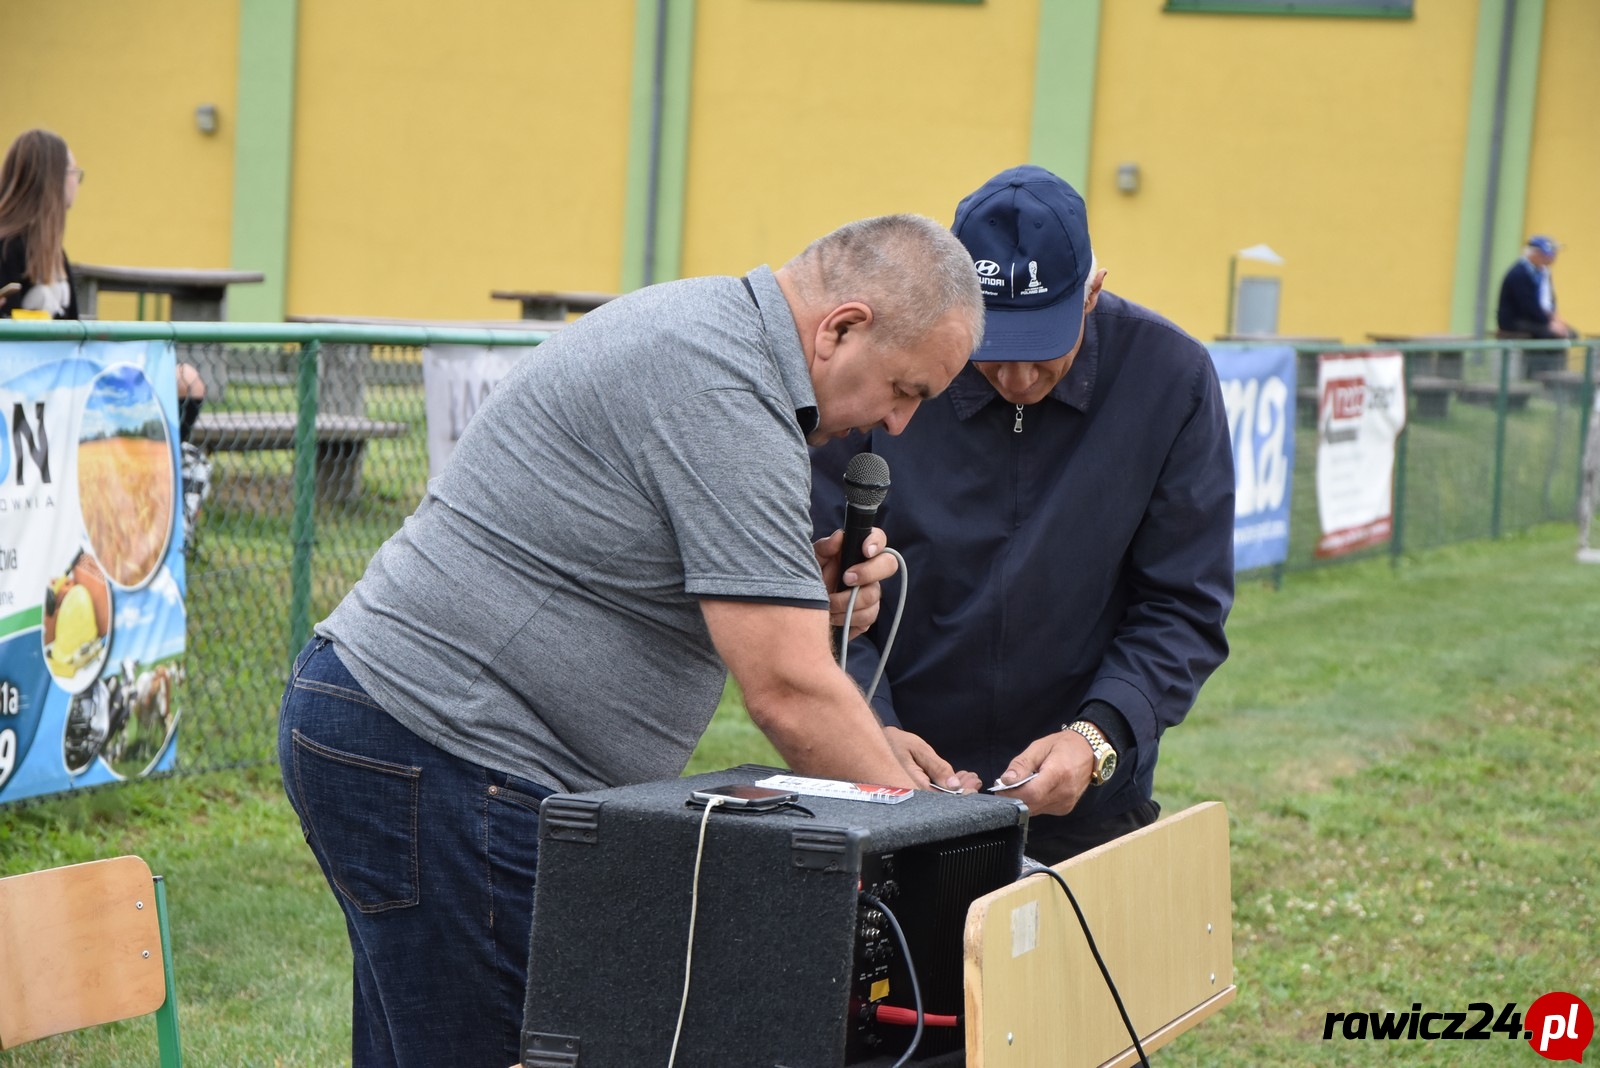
x,y
1109,767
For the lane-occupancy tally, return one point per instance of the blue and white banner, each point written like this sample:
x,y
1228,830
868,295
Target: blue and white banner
x,y
92,580
1258,389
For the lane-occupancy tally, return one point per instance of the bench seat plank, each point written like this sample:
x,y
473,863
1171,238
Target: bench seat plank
x,y
252,431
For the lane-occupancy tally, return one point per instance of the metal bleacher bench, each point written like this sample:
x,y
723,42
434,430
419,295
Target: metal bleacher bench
x,y
341,442
342,428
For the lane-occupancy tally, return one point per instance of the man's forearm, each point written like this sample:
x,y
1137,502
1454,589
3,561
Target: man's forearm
x,y
823,727
809,709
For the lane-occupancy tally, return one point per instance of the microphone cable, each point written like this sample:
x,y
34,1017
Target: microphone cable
x,y
894,627
1033,867
916,989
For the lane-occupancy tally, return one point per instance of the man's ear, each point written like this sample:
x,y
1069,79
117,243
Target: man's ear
x,y
1095,284
837,325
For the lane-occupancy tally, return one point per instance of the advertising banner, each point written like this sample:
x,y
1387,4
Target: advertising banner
x,y
1361,409
91,564
455,380
1258,389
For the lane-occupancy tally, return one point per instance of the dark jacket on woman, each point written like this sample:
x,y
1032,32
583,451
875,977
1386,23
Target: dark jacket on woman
x,y
14,268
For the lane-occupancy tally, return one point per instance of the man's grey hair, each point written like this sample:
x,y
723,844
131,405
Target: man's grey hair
x,y
908,269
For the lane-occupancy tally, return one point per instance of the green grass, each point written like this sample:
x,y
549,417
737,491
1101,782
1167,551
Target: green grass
x,y
1408,758
261,956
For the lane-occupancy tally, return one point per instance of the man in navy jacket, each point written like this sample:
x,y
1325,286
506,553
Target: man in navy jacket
x,y
1065,509
1527,297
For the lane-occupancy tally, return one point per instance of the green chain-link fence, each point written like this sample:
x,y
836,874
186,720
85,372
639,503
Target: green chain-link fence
x,y
286,526
310,450
1493,442
316,441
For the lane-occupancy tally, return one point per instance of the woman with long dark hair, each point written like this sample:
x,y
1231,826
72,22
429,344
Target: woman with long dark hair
x,y
38,183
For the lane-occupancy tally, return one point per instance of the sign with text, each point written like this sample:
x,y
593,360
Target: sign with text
x,y
1258,390
455,380
92,577
1361,409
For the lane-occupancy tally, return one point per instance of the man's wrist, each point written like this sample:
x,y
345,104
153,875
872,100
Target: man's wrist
x,y
1105,757
1112,724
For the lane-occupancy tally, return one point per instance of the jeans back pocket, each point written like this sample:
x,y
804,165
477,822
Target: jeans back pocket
x,y
361,817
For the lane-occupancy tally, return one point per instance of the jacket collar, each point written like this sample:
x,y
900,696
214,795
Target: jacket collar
x,y
970,391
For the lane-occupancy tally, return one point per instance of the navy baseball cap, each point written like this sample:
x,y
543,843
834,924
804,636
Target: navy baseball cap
x,y
1029,239
1547,245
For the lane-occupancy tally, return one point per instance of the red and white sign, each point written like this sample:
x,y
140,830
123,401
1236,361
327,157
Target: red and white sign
x,y
1361,410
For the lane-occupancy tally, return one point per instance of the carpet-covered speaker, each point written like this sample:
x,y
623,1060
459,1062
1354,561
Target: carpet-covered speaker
x,y
790,966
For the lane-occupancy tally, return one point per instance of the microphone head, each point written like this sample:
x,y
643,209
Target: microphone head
x,y
866,480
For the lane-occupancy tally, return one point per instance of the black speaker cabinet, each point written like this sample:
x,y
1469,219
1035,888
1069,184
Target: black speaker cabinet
x,y
788,963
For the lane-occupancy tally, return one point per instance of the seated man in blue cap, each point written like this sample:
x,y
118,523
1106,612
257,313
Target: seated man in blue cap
x,y
1527,297
1065,510
1528,305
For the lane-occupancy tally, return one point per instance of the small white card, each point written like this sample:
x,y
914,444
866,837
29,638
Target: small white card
x,y
846,791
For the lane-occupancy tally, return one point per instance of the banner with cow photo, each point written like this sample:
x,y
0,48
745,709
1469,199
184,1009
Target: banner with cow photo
x,y
92,579
1361,409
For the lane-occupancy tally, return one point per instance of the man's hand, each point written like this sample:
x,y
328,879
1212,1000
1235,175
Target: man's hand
x,y
868,575
1065,763
926,766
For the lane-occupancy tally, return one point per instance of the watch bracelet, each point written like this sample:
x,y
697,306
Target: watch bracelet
x,y
1086,726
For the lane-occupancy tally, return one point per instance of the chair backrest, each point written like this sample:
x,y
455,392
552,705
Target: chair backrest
x,y
83,945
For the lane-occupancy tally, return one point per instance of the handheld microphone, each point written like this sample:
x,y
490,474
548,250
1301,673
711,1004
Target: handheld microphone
x,y
866,484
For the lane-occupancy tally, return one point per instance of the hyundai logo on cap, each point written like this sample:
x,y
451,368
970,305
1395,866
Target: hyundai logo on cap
x,y
1029,239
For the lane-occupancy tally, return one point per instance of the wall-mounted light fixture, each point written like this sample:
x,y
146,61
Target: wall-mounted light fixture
x,y
1127,177
205,119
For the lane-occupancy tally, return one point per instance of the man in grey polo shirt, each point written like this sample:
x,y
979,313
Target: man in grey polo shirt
x,y
624,521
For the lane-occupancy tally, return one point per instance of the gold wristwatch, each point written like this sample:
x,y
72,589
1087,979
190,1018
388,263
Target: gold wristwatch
x,y
1105,757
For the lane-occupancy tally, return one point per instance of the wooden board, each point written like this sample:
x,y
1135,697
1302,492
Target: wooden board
x,y
1160,906
79,946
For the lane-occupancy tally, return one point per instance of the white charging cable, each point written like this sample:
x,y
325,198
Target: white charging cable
x,y
694,908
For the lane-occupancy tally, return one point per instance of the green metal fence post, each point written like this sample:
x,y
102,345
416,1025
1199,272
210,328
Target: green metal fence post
x,y
1500,405
1397,533
305,500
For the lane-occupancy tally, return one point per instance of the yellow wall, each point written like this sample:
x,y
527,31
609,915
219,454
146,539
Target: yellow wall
x,y
1564,172
441,152
445,150
1339,142
120,82
807,114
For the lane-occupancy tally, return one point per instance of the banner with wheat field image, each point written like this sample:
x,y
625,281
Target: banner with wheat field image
x,y
92,580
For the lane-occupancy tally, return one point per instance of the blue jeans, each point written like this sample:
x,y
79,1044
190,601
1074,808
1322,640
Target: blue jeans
x,y
432,859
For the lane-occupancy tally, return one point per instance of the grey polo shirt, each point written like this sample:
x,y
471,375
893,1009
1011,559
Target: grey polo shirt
x,y
539,613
